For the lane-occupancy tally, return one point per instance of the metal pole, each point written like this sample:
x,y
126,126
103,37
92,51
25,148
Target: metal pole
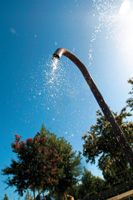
x,y
115,127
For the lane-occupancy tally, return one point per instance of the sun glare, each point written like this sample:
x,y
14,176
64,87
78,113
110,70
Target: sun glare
x,y
125,7
126,29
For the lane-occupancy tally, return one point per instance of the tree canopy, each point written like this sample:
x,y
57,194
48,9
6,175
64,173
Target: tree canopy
x,y
130,100
68,168
89,184
35,167
100,143
43,163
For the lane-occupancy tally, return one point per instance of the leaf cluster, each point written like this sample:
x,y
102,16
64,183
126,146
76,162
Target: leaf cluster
x,y
130,100
45,162
101,143
68,168
35,167
90,184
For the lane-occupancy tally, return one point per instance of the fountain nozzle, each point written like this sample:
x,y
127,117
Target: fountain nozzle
x,y
58,53
55,56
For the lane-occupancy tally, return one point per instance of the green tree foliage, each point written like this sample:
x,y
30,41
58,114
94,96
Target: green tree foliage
x,y
68,168
130,100
101,143
28,196
76,191
5,197
43,163
90,184
35,167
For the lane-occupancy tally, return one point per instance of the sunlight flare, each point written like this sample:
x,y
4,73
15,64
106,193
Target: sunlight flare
x,y
126,29
125,7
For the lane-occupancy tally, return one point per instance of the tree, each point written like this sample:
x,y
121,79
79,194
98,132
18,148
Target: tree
x,y
68,168
90,184
76,191
44,163
36,165
130,100
5,197
100,143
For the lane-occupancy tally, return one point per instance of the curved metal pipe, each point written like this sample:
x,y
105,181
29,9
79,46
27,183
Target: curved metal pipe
x,y
115,127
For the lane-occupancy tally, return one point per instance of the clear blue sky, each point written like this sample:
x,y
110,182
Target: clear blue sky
x,y
32,93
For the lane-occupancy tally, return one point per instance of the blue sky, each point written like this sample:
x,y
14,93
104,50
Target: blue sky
x,y
33,93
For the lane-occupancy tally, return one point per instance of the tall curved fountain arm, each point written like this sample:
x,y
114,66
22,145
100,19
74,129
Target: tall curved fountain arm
x,y
115,127
61,51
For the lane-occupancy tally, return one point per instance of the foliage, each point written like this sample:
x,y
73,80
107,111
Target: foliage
x,y
35,167
43,163
68,168
101,143
76,191
90,184
130,100
5,197
28,196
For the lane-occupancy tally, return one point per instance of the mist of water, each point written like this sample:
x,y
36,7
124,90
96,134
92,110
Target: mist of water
x,y
116,20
